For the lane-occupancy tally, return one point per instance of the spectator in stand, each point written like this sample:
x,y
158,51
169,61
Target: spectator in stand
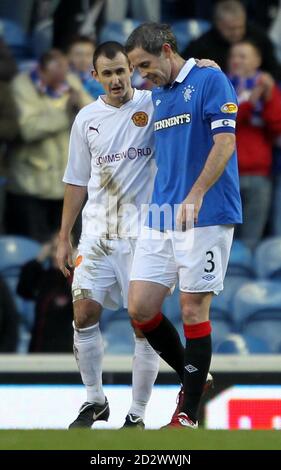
x,y
231,26
9,128
42,281
80,56
9,320
47,98
258,124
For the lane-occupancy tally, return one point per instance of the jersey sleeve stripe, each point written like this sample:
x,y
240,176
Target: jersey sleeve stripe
x,y
223,123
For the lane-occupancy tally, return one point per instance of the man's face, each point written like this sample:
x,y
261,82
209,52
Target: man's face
x,y
155,68
231,28
115,76
55,72
244,60
81,56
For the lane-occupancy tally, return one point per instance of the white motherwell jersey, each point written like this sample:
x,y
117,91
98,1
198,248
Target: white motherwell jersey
x,y
111,152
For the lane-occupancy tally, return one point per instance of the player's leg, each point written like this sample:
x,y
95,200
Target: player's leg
x,y
154,273
157,264
201,274
163,336
146,360
89,289
145,371
88,350
198,349
158,330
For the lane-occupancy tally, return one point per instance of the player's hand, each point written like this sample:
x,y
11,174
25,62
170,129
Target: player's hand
x,y
64,256
266,81
263,88
207,63
188,211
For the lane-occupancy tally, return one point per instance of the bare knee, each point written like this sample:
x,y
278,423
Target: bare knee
x,y
195,307
145,300
86,313
140,312
190,314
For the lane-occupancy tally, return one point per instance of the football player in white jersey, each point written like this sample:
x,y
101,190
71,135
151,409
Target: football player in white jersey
x,y
110,160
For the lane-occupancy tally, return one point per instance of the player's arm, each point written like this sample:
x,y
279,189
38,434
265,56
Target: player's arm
x,y
74,197
76,177
222,150
219,110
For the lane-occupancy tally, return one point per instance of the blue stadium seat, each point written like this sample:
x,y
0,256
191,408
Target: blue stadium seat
x,y
243,345
15,37
220,329
15,251
42,37
267,259
118,31
257,311
188,30
240,261
221,307
171,306
119,337
113,315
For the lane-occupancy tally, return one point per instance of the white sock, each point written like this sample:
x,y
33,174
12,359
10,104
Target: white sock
x,y
145,370
88,351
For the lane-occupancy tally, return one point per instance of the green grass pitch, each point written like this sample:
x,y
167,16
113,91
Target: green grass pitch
x,y
174,439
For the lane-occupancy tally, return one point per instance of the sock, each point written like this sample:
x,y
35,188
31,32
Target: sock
x,y
197,358
164,338
88,350
145,370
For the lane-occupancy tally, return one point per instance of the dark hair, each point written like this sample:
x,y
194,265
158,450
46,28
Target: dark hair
x,y
80,39
109,49
250,42
151,37
49,56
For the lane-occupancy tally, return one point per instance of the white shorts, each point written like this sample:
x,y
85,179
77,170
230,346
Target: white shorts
x,y
102,271
197,258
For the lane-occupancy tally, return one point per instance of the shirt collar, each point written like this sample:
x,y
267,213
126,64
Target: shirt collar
x,y
184,71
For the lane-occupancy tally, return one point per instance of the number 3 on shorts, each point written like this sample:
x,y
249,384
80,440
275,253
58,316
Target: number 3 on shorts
x,y
210,262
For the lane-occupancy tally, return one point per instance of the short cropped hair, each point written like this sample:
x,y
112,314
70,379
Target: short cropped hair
x,y
151,37
108,49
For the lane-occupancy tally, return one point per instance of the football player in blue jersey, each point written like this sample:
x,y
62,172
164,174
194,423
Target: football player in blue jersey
x,y
197,202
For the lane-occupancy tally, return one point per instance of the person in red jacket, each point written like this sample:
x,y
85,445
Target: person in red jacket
x,y
258,123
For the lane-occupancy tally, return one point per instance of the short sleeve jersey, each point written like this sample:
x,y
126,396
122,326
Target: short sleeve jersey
x,y
200,103
111,152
